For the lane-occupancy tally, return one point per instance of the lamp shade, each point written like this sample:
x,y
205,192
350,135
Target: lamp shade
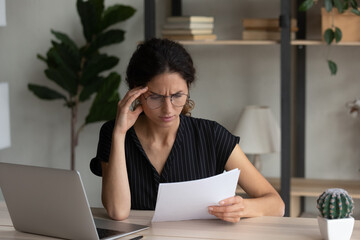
x,y
2,13
4,116
259,131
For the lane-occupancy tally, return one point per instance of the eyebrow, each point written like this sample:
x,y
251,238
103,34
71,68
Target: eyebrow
x,y
164,95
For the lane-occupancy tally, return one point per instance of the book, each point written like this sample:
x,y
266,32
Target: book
x,y
189,25
191,37
188,19
263,35
186,31
264,22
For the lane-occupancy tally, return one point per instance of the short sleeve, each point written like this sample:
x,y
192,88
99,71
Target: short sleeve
x,y
225,143
103,149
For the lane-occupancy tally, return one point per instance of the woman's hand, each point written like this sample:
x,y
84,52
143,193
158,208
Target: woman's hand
x,y
125,118
230,209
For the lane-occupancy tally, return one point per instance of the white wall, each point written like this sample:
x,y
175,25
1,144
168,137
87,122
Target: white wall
x,y
228,78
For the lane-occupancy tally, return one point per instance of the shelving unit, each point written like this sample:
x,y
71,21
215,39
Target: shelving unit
x,y
285,62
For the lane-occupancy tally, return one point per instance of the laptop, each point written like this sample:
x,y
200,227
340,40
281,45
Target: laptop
x,y
52,202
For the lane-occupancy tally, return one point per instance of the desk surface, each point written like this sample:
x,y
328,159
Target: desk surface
x,y
251,228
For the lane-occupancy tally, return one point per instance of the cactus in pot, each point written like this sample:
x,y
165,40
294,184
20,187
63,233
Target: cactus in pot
x,y
335,207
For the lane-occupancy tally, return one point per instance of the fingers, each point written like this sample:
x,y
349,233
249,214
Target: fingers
x,y
230,209
131,96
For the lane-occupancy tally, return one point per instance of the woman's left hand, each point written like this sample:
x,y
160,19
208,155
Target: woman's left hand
x,y
230,209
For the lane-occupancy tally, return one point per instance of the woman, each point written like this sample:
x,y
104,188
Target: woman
x,y
159,142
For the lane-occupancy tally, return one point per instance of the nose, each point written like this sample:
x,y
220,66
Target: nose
x,y
167,105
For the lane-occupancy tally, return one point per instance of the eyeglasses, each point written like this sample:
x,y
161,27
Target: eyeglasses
x,y
155,101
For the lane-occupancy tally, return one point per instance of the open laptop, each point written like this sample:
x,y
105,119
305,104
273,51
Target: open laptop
x,y
52,202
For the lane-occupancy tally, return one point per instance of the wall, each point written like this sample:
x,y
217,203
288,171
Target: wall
x,y
228,78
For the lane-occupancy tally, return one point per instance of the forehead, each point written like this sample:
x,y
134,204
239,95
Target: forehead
x,y
167,83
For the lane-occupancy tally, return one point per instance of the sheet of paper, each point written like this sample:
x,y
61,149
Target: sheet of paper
x,y
190,200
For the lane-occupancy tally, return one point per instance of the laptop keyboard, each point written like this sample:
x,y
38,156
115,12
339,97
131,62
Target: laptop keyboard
x,y
105,233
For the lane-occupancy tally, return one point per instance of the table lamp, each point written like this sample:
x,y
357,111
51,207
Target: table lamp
x,y
2,13
4,116
259,132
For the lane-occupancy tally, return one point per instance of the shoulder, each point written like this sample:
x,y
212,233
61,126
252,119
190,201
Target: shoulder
x,y
107,127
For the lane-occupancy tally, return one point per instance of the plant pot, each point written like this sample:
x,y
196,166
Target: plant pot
x,y
336,229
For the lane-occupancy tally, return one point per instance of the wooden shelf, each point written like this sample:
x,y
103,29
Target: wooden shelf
x,y
230,42
267,42
319,42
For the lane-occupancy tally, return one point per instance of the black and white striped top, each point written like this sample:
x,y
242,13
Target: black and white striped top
x,y
201,149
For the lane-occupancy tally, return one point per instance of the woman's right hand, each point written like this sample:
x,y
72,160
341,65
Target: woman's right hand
x,y
125,117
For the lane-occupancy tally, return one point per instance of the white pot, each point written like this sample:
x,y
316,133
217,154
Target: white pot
x,y
336,229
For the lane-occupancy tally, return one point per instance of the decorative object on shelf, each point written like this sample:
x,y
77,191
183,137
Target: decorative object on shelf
x,y
259,132
333,23
2,13
77,70
354,108
335,221
5,140
265,29
189,28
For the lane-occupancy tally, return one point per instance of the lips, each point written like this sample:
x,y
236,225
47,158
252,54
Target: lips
x,y
167,118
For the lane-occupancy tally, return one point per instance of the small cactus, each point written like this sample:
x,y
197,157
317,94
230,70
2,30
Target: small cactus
x,y
335,203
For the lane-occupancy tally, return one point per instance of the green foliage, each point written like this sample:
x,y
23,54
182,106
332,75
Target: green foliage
x,y
332,66
333,33
77,70
335,203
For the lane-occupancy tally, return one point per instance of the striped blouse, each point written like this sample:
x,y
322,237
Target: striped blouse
x,y
201,149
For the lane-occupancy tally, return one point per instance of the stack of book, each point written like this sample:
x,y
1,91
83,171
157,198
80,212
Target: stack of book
x,y
189,28
265,29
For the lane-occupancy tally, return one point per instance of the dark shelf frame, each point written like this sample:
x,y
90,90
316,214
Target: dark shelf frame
x,y
286,90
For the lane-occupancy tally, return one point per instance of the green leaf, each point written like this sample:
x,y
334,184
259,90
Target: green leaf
x,y
42,58
58,78
328,5
97,64
67,59
329,36
45,92
332,67
104,106
92,87
346,4
115,14
105,39
306,5
337,34
88,19
355,11
339,6
69,44
64,76
354,4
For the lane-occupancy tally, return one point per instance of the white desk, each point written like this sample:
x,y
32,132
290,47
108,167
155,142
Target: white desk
x,y
252,228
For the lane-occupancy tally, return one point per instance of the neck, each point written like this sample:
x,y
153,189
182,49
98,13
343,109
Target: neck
x,y
154,133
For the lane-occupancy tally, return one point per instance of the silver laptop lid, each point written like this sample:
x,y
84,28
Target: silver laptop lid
x,y
47,201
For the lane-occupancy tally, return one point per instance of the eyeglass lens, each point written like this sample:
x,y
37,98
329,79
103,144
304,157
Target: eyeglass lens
x,y
155,101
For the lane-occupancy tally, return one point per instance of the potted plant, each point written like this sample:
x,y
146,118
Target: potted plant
x,y
335,221
333,33
77,70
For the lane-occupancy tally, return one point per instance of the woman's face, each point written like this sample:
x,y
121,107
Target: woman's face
x,y
164,114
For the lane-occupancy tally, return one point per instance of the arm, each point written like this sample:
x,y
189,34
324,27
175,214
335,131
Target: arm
x,y
264,199
115,195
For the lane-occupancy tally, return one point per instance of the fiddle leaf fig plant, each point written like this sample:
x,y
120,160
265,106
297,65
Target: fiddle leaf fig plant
x,y
333,34
78,70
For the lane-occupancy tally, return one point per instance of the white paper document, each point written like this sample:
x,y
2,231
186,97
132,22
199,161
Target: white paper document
x,y
191,199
